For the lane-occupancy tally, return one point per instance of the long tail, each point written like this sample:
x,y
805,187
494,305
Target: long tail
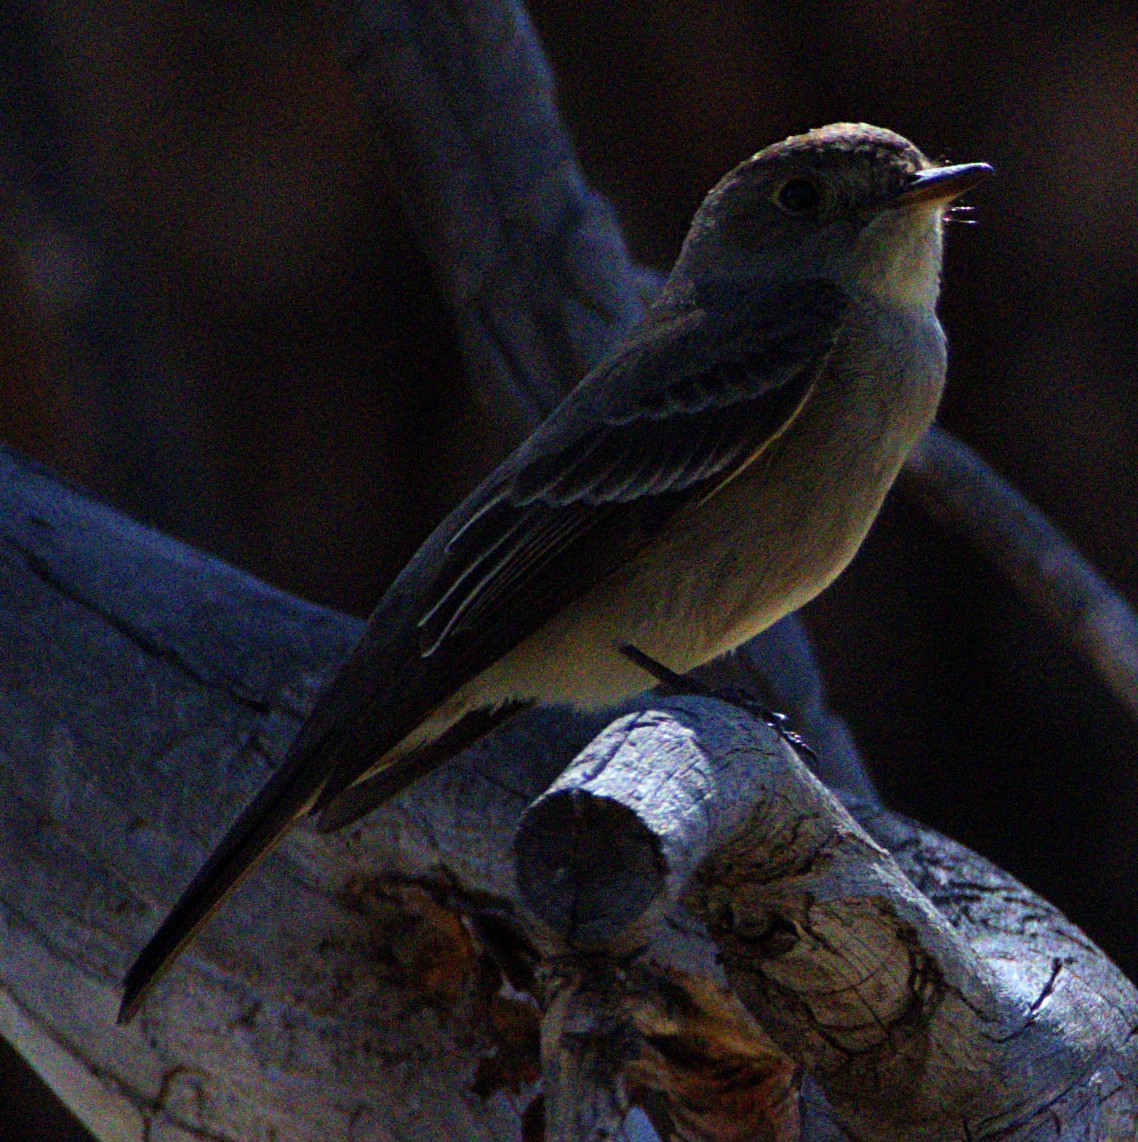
x,y
333,747
289,793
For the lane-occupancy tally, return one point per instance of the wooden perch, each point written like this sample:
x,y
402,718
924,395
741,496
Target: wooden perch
x,y
386,983
821,933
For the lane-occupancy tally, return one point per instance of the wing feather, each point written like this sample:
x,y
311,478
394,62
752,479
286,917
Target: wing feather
x,y
739,382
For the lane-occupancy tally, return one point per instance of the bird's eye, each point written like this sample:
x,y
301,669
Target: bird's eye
x,y
799,196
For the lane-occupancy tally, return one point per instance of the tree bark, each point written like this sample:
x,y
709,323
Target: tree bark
x,y
389,983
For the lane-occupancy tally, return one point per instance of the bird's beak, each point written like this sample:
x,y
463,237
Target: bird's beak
x,y
941,184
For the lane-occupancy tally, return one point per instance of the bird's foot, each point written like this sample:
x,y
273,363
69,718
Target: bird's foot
x,y
669,682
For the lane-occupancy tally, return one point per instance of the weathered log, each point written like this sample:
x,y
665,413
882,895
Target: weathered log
x,y
968,1021
382,983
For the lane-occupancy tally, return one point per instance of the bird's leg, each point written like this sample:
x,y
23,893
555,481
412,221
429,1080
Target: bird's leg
x,y
671,683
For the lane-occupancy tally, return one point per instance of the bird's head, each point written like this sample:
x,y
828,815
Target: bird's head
x,y
850,203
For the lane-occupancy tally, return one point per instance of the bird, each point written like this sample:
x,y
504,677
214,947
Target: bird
x,y
714,473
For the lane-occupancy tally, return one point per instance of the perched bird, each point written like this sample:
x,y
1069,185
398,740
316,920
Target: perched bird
x,y
717,471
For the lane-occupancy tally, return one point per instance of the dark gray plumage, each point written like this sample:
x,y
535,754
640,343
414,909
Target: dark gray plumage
x,y
718,470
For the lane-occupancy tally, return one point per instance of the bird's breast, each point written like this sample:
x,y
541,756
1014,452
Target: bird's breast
x,y
766,542
782,530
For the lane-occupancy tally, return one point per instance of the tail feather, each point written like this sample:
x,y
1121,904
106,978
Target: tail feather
x,y
290,792
340,805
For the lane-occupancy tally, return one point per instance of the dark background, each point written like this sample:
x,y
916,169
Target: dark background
x,y
212,314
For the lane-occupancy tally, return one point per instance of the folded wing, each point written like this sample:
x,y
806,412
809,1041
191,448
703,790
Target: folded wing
x,y
687,403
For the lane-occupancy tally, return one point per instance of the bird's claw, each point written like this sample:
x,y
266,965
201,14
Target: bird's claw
x,y
672,683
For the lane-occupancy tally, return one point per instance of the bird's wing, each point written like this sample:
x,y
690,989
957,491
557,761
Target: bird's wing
x,y
684,410
688,403
681,410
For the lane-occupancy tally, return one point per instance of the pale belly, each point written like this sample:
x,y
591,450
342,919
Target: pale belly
x,y
718,577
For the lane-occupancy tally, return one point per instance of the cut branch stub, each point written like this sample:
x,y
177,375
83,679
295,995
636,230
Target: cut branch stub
x,y
587,866
614,841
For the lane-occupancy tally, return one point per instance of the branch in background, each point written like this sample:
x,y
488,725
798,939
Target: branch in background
x,y
531,261
955,485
